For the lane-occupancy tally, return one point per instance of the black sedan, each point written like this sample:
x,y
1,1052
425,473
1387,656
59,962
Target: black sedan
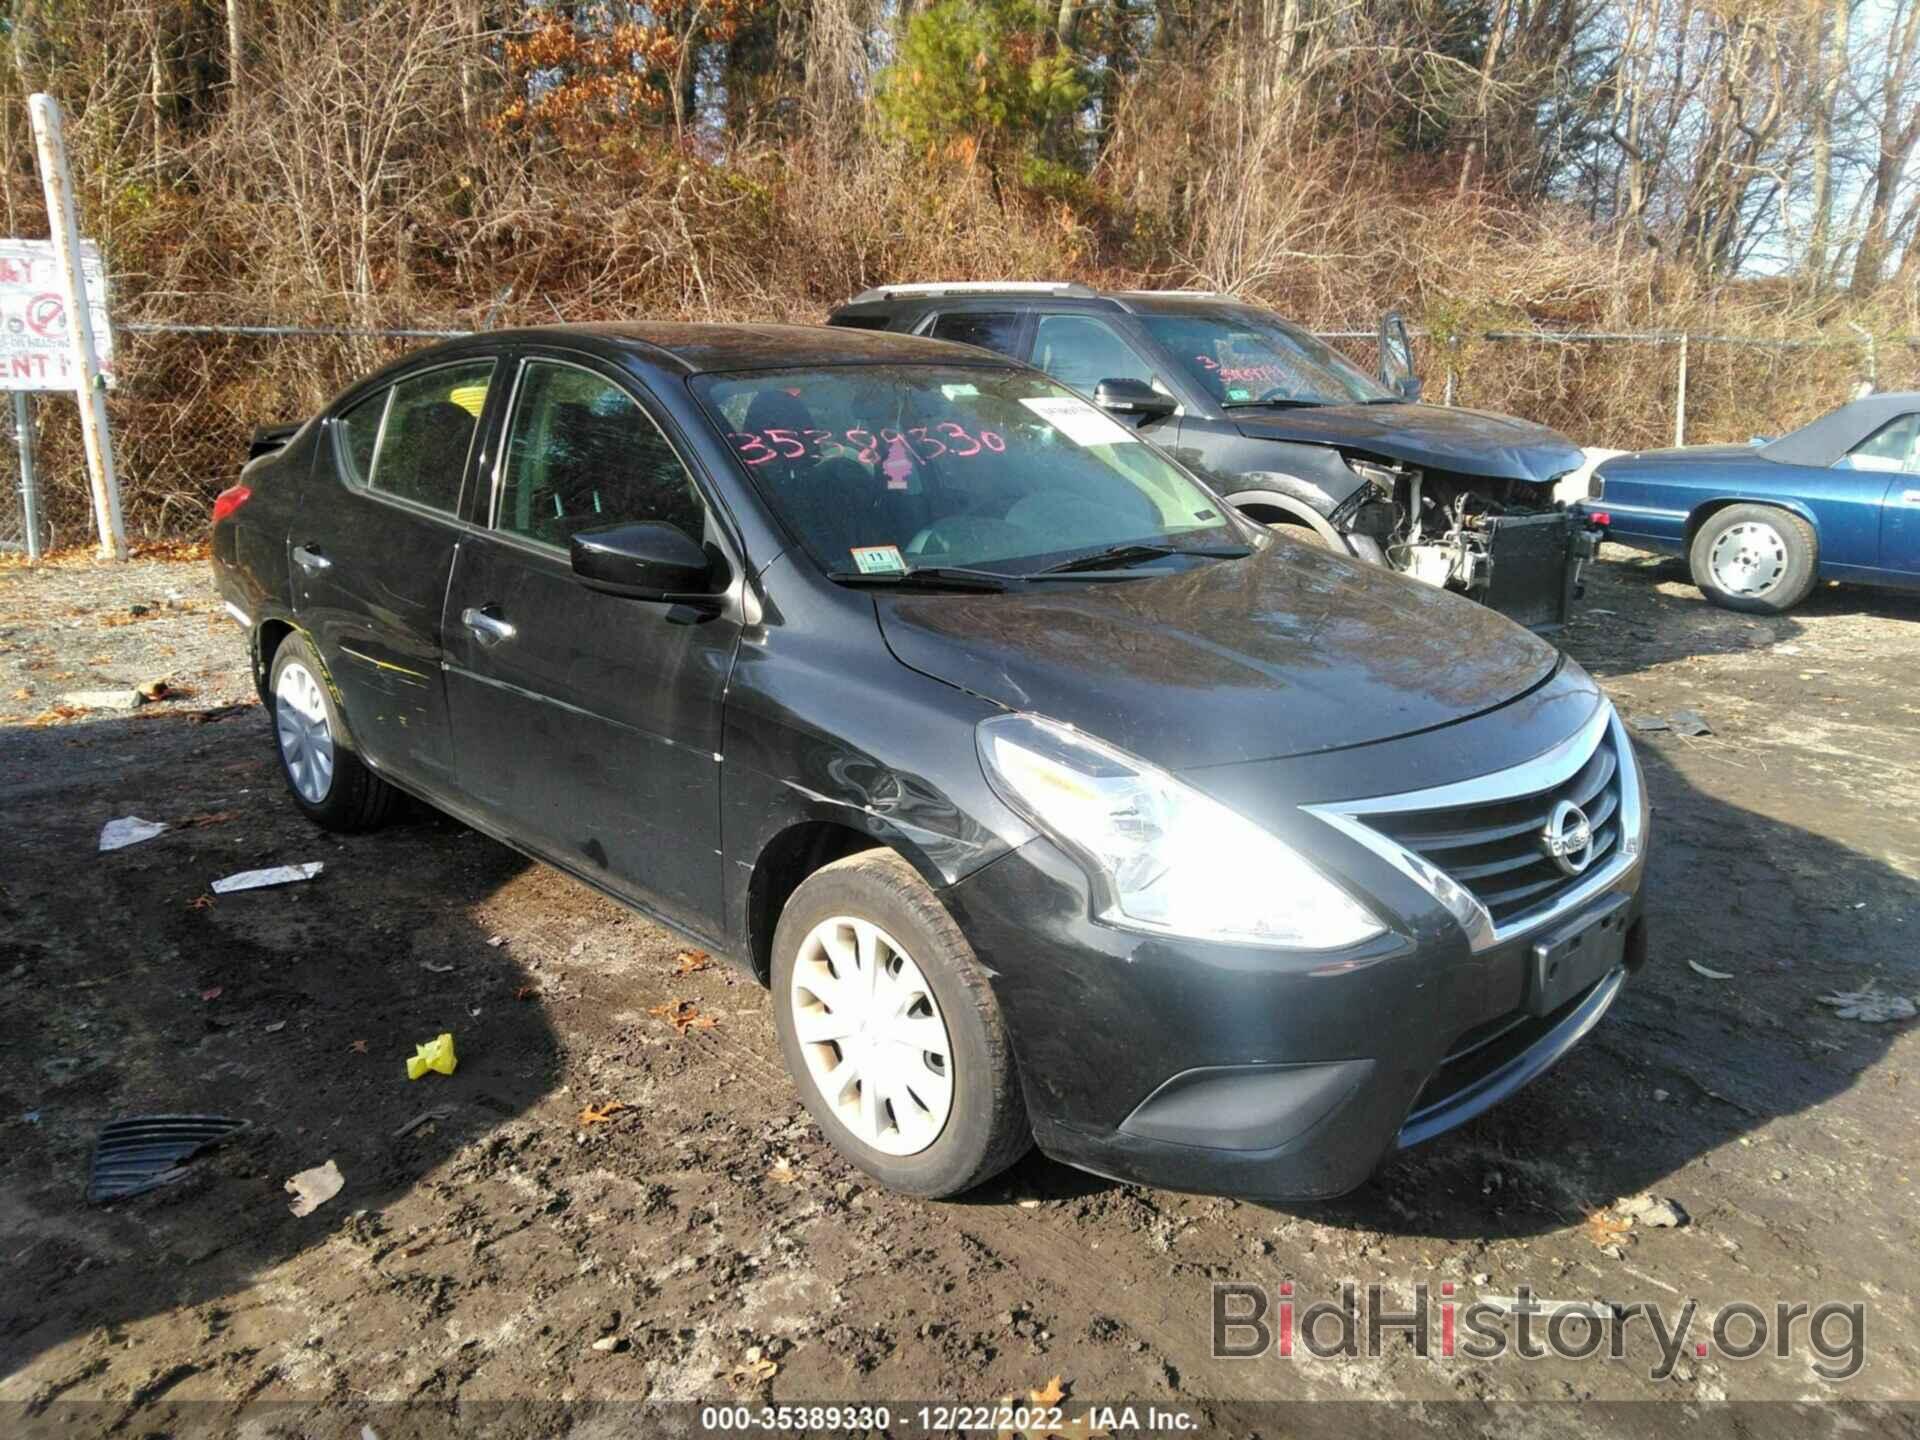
x,y
1054,801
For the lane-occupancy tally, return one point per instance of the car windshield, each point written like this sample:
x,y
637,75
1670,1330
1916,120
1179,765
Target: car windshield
x,y
1240,357
882,470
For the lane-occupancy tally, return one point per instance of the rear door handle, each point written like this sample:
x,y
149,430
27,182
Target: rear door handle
x,y
310,560
487,629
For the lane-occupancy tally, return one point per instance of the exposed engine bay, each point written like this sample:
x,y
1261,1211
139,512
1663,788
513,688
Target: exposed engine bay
x,y
1507,543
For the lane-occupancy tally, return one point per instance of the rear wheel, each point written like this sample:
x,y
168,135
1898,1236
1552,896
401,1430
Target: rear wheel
x,y
327,779
1755,558
889,1029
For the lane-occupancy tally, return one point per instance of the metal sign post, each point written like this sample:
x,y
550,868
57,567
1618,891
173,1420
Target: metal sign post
x,y
89,383
29,481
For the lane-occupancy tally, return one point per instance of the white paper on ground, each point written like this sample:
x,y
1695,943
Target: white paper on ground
x,y
277,875
127,830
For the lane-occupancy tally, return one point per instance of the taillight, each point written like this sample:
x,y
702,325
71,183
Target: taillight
x,y
1600,518
230,500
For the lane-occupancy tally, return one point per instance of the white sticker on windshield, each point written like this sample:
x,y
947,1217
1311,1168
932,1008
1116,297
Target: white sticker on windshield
x,y
1079,421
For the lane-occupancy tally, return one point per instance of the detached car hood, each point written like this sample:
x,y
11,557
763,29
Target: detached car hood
x,y
1287,652
1436,437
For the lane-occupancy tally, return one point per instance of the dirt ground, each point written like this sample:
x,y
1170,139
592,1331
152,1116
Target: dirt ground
x,y
702,1243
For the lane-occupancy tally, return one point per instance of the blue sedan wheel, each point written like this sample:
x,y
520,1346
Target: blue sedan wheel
x,y
1756,558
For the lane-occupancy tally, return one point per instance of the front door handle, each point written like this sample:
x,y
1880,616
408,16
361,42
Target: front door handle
x,y
487,629
310,559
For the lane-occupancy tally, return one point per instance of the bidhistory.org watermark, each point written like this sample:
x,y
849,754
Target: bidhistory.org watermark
x,y
1253,1321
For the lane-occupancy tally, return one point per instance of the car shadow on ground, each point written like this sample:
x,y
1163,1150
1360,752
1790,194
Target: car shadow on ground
x,y
134,991
1683,1065
1651,568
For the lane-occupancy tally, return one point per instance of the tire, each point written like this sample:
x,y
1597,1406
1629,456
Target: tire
x,y
1758,559
326,779
886,926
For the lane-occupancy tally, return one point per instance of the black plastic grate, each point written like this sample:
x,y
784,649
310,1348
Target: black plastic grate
x,y
134,1156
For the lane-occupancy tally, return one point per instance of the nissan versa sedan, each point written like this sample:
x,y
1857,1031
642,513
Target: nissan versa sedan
x,y
1054,801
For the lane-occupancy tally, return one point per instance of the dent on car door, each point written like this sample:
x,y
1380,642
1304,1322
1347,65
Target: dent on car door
x,y
371,555
585,724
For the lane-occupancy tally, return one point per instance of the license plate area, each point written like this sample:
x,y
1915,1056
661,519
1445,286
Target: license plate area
x,y
1567,960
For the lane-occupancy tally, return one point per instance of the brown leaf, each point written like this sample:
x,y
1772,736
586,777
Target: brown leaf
x,y
200,902
690,962
754,1369
1052,1393
359,1047
783,1172
526,992
1603,1229
213,817
214,993
600,1114
683,1015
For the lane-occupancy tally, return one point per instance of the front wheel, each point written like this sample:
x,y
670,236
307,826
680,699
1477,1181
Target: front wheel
x,y
327,779
889,1029
1755,558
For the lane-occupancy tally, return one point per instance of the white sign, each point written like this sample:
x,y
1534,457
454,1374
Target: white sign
x,y
36,351
1079,421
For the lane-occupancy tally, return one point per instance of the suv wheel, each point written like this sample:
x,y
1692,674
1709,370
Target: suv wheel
x,y
891,1032
327,779
1755,558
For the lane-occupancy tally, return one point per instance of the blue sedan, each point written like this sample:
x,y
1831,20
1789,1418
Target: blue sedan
x,y
1761,524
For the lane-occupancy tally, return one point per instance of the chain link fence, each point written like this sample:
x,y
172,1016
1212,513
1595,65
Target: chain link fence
x,y
190,395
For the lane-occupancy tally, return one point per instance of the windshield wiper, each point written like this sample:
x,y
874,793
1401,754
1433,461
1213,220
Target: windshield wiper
x,y
1279,402
1119,557
927,577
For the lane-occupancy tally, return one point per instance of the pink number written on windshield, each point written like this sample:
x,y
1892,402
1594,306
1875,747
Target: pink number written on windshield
x,y
916,442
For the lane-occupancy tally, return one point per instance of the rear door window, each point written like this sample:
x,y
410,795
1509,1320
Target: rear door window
x,y
428,436
582,455
996,330
359,429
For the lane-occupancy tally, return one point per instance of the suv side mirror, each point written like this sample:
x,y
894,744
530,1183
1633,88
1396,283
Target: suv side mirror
x,y
1133,397
643,561
1396,358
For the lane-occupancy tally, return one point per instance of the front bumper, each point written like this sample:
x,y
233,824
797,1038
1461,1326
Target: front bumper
x,y
1269,1073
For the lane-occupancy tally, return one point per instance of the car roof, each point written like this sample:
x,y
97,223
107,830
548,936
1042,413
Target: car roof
x,y
887,299
697,349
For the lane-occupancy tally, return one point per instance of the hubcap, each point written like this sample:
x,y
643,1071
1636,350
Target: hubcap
x,y
871,1032
306,739
1748,558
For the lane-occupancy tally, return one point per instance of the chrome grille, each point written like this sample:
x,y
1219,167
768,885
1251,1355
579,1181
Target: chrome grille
x,y
1495,849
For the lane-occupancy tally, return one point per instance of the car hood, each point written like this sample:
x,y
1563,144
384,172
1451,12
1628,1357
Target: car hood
x,y
1435,437
1286,652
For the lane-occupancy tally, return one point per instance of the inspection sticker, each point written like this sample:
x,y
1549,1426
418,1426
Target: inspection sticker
x,y
878,560
1079,421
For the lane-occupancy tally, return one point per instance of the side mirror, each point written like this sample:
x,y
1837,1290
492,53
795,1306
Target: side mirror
x,y
643,561
1396,357
1133,397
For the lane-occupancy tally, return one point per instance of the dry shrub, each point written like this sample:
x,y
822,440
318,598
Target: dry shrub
x,y
357,181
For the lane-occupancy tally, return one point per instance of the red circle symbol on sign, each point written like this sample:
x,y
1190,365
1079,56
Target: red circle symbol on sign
x,y
47,315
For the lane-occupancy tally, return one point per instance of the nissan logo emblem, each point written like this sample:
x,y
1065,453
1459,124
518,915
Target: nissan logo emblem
x,y
1568,838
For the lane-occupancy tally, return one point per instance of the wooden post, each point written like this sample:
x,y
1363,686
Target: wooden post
x,y
29,479
90,386
1680,398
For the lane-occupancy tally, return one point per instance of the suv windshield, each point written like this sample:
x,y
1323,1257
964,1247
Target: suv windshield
x,y
1240,357
887,469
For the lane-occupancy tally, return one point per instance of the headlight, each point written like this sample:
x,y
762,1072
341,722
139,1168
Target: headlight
x,y
1164,857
